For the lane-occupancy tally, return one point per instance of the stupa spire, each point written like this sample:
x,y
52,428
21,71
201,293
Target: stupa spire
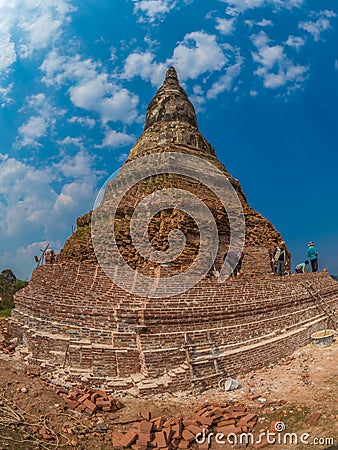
x,y
171,121
170,103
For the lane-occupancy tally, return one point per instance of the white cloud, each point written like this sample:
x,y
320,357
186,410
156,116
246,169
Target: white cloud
x,y
7,52
90,87
151,10
21,260
262,23
316,28
42,119
198,53
116,139
32,131
225,82
4,95
72,195
198,98
27,193
143,65
275,68
84,121
295,41
68,140
225,26
238,6
40,204
30,26
265,23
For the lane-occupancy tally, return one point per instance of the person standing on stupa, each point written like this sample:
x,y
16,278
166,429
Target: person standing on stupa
x,y
312,254
279,259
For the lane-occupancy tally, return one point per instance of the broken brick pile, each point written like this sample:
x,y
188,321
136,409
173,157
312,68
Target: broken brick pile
x,y
7,348
5,345
178,433
89,400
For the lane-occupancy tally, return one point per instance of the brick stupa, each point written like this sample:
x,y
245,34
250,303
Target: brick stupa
x,y
72,318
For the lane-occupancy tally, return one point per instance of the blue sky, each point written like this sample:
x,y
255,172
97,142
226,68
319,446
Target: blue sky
x,y
76,78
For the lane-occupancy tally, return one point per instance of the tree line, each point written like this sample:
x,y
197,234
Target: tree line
x,y
9,285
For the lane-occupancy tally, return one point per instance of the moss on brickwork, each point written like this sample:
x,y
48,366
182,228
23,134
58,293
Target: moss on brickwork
x,y
78,246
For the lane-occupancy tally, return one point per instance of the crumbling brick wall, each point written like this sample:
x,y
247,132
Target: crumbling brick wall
x,y
72,315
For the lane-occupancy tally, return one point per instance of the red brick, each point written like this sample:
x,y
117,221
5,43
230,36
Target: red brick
x,y
116,440
128,438
103,403
238,414
161,439
72,395
225,423
139,446
158,422
314,418
83,398
263,444
90,405
248,418
194,429
93,397
203,420
175,443
144,438
183,444
251,424
71,404
229,429
273,425
145,426
177,430
188,435
101,393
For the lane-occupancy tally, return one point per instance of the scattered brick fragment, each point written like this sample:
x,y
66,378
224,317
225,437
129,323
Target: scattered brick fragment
x,y
262,444
89,400
314,418
177,433
161,439
128,438
273,425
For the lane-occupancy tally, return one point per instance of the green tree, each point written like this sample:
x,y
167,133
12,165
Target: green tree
x,y
9,285
8,275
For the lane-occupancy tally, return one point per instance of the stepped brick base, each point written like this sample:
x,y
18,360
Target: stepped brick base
x,y
72,317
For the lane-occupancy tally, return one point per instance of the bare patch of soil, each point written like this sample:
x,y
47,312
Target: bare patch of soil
x,y
33,416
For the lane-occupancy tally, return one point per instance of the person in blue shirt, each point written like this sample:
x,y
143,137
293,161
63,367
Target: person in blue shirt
x,y
313,256
303,267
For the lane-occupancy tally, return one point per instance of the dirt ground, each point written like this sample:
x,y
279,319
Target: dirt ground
x,y
33,416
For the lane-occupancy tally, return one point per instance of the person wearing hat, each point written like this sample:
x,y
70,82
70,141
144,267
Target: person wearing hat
x,y
279,259
313,256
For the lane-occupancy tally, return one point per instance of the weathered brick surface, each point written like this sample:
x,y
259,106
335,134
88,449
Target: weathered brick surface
x,y
72,315
252,321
